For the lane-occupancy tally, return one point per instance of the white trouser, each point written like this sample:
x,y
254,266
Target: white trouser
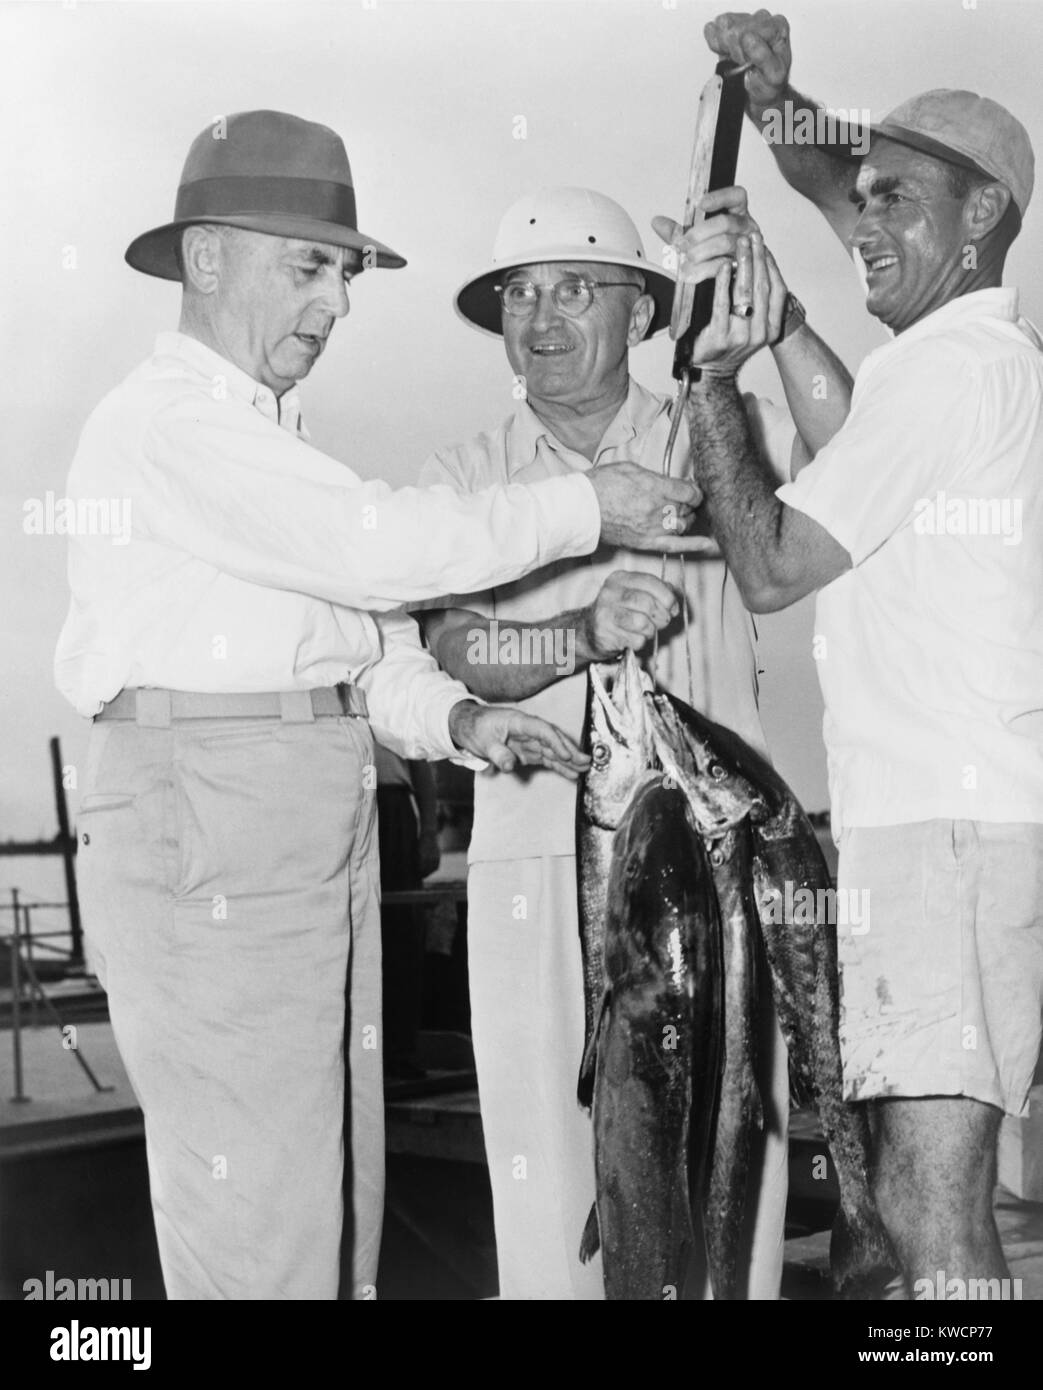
x,y
526,981
229,883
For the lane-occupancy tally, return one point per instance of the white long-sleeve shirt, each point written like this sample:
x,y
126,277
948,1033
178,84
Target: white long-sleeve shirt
x,y
254,562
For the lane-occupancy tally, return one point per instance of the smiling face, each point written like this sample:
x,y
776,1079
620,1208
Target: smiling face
x,y
578,362
269,302
912,233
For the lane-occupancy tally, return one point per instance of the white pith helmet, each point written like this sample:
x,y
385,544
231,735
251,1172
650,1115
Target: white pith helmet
x,y
563,224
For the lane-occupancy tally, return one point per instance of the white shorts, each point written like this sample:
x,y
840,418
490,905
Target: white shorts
x,y
942,976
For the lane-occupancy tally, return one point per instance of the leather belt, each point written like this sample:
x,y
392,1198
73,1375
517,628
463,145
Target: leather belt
x,y
157,708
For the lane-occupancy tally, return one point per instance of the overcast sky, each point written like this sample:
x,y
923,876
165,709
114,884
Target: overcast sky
x,y
100,102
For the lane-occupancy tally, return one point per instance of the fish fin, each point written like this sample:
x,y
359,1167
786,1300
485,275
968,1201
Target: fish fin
x,y
757,1107
588,1067
590,1242
800,1093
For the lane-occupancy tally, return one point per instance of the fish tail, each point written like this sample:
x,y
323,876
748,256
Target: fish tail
x,y
590,1241
588,1066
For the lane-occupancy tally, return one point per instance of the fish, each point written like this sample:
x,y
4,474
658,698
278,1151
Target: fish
x,y
745,822
617,737
740,1111
727,780
803,961
657,1048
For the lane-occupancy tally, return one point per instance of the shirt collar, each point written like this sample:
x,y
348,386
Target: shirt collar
x,y
1000,302
284,410
634,416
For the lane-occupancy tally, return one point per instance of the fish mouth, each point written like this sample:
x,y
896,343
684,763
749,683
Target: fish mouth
x,y
716,806
619,689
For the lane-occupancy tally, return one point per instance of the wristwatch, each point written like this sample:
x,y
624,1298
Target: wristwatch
x,y
794,316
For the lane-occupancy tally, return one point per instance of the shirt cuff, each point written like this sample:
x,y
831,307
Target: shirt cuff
x,y
795,496
440,724
571,515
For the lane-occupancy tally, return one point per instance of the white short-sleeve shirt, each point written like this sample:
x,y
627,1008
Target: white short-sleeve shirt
x,y
930,649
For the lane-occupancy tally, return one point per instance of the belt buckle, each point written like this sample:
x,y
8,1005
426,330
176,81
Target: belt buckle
x,y
352,700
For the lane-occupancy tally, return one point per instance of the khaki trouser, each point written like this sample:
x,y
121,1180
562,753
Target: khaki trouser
x,y
526,980
229,883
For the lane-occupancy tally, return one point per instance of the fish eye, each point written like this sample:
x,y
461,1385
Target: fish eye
x,y
717,772
716,858
600,754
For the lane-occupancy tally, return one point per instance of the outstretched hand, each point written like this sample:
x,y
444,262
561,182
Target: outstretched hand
x,y
506,737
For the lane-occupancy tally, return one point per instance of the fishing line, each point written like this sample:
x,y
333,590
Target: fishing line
x,y
684,386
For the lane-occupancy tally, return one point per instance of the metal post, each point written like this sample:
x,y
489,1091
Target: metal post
x,y
16,998
27,934
68,845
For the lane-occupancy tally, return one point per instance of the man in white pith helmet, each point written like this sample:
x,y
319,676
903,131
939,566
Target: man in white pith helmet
x,y
571,291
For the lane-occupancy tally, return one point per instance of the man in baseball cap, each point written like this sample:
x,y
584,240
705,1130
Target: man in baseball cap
x,y
233,656
921,527
569,291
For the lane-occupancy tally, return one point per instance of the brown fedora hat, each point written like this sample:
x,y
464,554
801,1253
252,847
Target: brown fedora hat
x,y
268,172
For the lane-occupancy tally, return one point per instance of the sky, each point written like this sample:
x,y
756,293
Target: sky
x,y
100,102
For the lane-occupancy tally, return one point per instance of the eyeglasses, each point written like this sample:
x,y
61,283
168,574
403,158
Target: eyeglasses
x,y
573,296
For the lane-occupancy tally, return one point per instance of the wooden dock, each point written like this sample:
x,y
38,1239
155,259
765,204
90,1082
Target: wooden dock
x,y
438,1236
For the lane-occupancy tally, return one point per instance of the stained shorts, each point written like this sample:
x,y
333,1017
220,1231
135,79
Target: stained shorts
x,y
941,962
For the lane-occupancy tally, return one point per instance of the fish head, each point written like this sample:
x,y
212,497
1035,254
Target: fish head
x,y
617,737
719,796
725,779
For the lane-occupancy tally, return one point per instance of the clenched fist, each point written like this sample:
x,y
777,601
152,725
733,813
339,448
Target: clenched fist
x,y
630,608
761,39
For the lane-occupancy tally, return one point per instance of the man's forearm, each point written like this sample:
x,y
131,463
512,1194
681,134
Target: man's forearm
x,y
817,386
505,660
824,172
739,491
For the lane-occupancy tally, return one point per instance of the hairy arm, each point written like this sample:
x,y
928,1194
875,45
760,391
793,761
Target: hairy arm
x,y
500,659
776,553
472,648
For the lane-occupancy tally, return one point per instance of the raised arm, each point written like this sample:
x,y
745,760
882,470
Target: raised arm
x,y
823,173
818,391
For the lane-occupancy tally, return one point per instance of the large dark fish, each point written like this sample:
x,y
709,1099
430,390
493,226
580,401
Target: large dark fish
x,y
617,737
740,1113
803,959
726,780
657,1044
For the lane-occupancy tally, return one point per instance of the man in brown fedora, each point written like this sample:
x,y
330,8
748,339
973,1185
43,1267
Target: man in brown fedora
x,y
233,656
